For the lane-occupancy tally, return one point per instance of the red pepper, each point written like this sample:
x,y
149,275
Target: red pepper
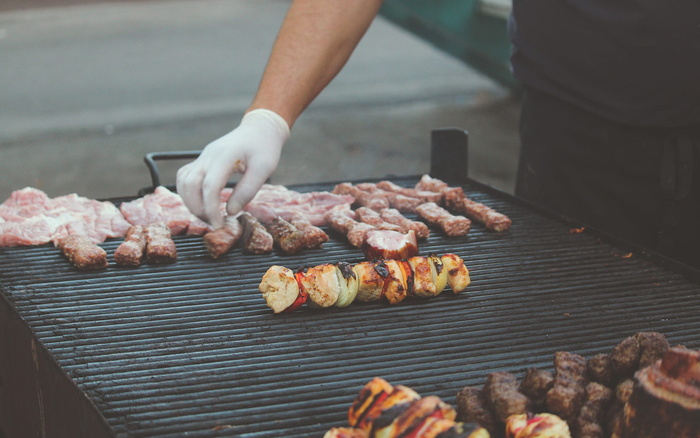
x,y
301,298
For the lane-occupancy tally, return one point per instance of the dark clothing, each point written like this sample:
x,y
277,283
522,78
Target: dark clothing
x,y
635,62
640,184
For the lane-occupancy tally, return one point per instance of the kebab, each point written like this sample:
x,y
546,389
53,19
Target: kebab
x,y
160,247
82,252
340,284
381,410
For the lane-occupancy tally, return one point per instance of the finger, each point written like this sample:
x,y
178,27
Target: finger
x,y
189,187
245,190
214,182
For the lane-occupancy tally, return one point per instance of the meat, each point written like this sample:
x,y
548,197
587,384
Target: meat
x,y
472,407
438,216
502,394
591,417
163,206
387,280
422,195
133,249
286,236
457,201
373,218
218,242
385,244
374,201
429,184
666,398
160,247
30,217
341,220
314,236
394,216
535,385
82,252
255,239
569,389
275,200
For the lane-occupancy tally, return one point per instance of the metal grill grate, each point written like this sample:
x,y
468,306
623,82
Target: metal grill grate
x,y
191,349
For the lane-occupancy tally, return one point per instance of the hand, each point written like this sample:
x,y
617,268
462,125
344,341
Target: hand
x,y
253,149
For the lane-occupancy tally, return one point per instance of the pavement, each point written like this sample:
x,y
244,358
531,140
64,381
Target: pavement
x,y
87,89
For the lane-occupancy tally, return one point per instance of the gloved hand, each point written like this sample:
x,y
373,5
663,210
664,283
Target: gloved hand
x,y
253,149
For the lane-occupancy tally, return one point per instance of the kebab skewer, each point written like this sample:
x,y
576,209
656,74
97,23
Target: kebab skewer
x,y
341,284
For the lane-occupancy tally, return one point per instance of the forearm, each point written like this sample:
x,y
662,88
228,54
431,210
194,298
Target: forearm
x,y
315,41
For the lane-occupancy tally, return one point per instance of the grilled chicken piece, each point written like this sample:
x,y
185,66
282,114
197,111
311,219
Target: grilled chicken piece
x,y
399,395
457,273
322,285
423,285
280,289
370,282
345,432
408,419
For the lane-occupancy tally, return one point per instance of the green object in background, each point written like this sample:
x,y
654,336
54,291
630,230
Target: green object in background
x,y
474,31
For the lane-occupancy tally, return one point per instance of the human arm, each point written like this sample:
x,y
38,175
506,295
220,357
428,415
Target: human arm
x,y
315,41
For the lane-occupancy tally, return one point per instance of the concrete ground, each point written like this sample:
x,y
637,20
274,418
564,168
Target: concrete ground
x,y
87,89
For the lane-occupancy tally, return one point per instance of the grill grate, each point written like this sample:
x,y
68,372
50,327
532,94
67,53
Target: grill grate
x,y
191,349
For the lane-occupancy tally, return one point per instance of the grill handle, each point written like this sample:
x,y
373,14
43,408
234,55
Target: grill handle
x,y
152,157
448,153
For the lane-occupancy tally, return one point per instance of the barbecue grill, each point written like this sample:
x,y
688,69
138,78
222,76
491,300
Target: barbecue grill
x,y
191,349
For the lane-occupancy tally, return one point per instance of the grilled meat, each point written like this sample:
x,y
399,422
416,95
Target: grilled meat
x,y
133,249
82,252
256,239
218,242
450,224
160,247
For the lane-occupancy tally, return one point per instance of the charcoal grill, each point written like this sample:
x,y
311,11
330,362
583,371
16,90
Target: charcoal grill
x,y
190,349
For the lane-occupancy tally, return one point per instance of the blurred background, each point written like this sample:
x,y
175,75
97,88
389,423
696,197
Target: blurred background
x,y
88,88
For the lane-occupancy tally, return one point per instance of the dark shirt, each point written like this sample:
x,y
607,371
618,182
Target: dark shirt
x,y
635,62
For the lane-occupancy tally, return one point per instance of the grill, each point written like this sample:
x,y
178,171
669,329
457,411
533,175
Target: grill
x,y
191,349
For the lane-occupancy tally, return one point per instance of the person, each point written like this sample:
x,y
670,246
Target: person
x,y
610,118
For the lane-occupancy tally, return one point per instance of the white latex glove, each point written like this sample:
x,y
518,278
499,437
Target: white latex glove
x,y
253,149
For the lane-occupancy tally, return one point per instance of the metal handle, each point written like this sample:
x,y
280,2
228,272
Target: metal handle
x,y
151,158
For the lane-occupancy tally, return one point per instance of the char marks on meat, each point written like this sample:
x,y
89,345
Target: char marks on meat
x,y
218,242
286,236
256,239
30,217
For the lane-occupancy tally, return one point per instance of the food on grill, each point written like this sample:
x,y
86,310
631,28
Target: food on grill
x,y
385,244
625,356
345,432
341,284
423,195
666,398
472,407
163,206
591,417
160,247
285,235
569,389
280,290
536,426
535,384
314,237
276,200
395,217
375,201
133,249
457,201
343,221
372,217
589,395
82,252
218,242
321,283
502,394
381,410
452,225
255,239
30,217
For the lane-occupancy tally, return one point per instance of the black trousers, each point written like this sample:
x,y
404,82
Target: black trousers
x,y
640,184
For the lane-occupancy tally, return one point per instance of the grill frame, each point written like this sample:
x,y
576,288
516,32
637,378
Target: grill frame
x,y
80,341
